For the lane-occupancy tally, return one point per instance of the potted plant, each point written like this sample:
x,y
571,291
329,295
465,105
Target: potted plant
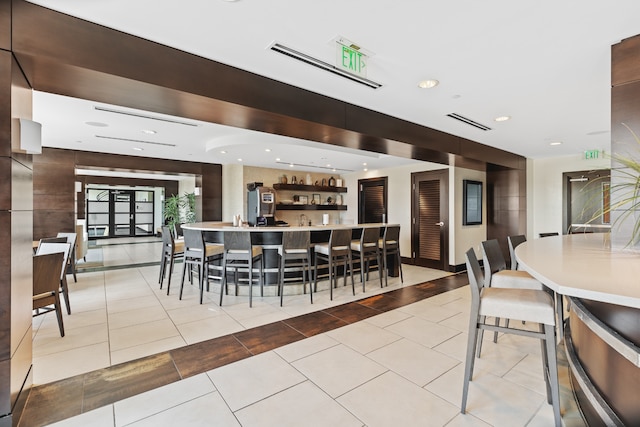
x,y
179,209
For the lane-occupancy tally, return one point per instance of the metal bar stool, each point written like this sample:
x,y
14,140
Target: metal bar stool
x,y
171,249
337,250
366,249
296,247
390,246
529,305
198,255
241,255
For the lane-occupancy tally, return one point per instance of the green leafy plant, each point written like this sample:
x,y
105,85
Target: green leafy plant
x,y
625,191
180,209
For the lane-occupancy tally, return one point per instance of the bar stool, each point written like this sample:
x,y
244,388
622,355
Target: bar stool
x,y
366,249
71,240
241,255
524,304
337,250
296,247
198,255
171,249
390,245
513,242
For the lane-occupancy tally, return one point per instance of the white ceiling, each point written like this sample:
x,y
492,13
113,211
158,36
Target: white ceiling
x,y
544,63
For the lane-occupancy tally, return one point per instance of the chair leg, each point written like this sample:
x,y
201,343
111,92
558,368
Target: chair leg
x,y
171,259
250,283
162,266
59,314
202,277
380,270
65,289
281,279
480,337
184,271
400,265
353,284
223,282
470,359
552,372
560,314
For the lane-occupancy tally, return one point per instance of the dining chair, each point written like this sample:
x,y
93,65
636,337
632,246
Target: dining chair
x,y
172,249
241,256
530,305
337,250
198,255
390,246
48,248
46,285
513,242
555,233
295,257
71,265
366,249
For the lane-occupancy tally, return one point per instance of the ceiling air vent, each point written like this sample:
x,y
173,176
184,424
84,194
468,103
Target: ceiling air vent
x,y
292,53
468,121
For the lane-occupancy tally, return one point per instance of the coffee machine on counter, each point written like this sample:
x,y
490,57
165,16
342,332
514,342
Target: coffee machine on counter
x,y
261,205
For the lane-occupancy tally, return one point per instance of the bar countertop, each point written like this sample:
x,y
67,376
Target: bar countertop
x,y
584,266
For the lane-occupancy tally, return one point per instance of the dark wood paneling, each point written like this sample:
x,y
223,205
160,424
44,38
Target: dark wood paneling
x,y
268,337
5,105
5,24
116,162
625,66
58,54
5,380
211,197
49,223
201,357
46,406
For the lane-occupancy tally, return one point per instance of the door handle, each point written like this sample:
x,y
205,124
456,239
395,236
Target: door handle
x,y
441,224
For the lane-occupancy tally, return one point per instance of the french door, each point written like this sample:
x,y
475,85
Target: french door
x,y
430,216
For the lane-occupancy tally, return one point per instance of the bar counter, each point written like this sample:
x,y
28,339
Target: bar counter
x,y
602,335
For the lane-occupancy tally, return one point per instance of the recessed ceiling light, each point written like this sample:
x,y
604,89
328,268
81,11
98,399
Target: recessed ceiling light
x,y
223,152
149,131
268,150
428,84
239,160
290,165
137,148
365,169
364,164
277,159
97,124
556,143
502,118
328,165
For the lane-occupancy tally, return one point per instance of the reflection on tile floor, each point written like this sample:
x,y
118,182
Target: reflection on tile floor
x,y
314,364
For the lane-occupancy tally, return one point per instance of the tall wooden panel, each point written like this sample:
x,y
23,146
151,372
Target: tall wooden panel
x,y
16,211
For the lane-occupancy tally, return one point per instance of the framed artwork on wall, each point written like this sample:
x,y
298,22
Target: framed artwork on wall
x,y
471,202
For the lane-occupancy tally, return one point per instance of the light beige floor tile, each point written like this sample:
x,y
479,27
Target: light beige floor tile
x,y
50,341
155,401
75,320
252,322
209,328
146,349
192,313
428,311
302,405
338,369
390,400
267,373
205,411
413,361
389,318
468,420
65,364
363,337
500,402
448,386
306,347
117,306
143,333
422,331
124,319
101,417
459,322
497,359
528,373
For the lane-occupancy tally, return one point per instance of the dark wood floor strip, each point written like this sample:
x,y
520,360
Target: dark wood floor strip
x,y
94,389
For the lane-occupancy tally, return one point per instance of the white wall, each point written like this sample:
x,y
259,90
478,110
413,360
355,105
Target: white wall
x,y
233,192
544,190
465,236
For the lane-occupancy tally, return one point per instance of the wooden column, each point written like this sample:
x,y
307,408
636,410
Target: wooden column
x,y
16,217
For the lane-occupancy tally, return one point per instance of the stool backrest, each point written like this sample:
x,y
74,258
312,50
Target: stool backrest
x,y
475,276
369,237
46,272
340,241
168,245
50,248
193,243
492,259
237,241
296,240
514,241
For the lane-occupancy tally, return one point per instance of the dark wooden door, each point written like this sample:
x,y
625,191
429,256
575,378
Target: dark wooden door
x,y
372,200
430,215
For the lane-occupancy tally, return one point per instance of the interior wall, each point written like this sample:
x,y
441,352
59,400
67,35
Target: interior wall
x,y
465,236
544,190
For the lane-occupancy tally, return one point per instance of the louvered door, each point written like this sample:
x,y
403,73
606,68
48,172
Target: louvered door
x,y
430,213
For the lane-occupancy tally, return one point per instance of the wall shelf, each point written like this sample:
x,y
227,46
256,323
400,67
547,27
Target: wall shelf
x,y
303,187
293,207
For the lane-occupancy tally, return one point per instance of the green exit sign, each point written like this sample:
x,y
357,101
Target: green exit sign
x,y
592,154
351,60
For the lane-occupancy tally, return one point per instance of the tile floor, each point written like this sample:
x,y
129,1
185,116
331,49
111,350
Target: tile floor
x,y
402,367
